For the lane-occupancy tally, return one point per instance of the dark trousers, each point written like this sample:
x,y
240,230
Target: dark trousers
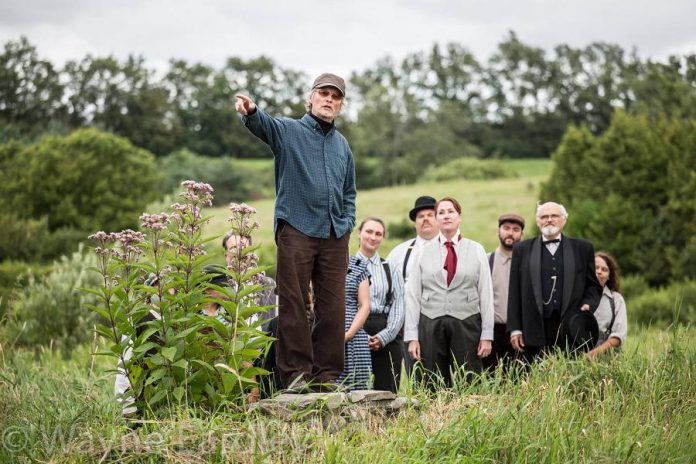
x,y
502,351
315,353
408,362
386,363
552,325
449,344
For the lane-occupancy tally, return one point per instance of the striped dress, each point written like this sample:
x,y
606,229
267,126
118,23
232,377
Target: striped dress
x,y
357,372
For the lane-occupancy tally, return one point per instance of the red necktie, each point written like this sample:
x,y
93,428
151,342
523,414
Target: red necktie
x,y
450,261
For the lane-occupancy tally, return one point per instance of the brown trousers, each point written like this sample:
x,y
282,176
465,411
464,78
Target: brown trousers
x,y
314,352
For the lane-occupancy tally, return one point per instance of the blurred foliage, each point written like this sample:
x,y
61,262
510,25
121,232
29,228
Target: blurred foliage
x,y
675,303
401,117
233,180
470,169
50,311
631,192
62,187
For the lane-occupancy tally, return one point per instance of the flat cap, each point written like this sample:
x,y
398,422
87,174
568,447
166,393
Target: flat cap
x,y
330,80
511,217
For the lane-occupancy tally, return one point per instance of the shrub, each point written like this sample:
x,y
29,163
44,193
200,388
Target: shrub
x,y
21,238
634,285
663,306
170,351
630,191
470,169
50,311
12,274
85,180
233,180
403,230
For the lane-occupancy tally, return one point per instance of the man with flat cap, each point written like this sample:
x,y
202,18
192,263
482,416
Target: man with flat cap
x,y
552,283
510,230
314,215
423,216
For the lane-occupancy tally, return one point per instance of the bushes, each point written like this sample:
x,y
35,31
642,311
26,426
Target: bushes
x,y
663,306
470,169
233,179
58,189
631,192
51,311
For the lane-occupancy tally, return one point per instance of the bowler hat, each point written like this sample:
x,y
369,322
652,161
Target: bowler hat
x,y
511,217
330,80
424,202
215,274
580,331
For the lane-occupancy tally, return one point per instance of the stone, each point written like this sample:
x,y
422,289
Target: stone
x,y
400,403
287,405
362,396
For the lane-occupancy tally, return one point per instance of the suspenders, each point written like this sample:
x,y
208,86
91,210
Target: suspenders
x,y
408,255
390,295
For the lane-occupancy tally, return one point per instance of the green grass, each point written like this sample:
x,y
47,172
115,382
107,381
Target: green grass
x,y
638,407
482,202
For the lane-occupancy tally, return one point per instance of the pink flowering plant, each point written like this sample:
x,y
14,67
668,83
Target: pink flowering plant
x,y
155,299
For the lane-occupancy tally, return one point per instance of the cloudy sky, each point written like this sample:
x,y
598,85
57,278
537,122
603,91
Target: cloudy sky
x,y
339,36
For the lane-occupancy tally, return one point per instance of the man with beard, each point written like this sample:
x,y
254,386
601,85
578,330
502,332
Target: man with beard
x,y
423,217
552,282
510,229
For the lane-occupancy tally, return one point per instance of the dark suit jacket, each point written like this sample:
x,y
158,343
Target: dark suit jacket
x,y
525,301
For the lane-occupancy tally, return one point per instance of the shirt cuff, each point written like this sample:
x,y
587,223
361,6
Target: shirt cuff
x,y
515,332
411,335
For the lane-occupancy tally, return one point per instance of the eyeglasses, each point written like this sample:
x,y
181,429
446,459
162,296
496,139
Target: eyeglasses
x,y
325,93
546,217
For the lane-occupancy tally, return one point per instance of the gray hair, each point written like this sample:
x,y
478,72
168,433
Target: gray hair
x,y
564,213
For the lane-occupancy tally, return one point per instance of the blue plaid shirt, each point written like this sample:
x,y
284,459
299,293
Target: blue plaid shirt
x,y
314,173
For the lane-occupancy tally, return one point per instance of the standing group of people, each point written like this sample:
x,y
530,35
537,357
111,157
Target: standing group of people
x,y
440,293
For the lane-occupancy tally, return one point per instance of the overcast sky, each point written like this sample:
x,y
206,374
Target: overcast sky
x,y
339,36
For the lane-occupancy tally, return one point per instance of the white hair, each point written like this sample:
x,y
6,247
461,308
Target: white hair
x,y
564,213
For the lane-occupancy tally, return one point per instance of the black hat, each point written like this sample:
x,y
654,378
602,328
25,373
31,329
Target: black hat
x,y
580,330
422,203
215,274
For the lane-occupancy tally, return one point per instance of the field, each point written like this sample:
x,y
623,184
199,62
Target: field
x,y
639,406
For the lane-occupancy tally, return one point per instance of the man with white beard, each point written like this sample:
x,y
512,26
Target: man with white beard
x,y
553,287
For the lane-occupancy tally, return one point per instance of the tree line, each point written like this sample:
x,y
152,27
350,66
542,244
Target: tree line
x,y
426,109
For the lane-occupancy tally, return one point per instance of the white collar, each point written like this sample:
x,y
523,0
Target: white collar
x,y
456,239
374,260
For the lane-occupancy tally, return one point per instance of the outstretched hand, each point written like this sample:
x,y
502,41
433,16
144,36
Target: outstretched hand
x,y
244,105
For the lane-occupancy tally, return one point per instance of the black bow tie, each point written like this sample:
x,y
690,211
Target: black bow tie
x,y
555,240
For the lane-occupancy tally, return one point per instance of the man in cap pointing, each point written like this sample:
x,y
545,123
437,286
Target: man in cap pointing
x,y
314,215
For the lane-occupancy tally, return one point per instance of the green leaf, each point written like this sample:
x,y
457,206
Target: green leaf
x,y
186,333
156,375
178,393
182,363
157,398
169,352
145,347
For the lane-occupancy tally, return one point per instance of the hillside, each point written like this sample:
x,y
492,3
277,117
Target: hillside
x,y
482,202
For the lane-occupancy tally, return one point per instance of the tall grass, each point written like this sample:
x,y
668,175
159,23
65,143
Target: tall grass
x,y
637,407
